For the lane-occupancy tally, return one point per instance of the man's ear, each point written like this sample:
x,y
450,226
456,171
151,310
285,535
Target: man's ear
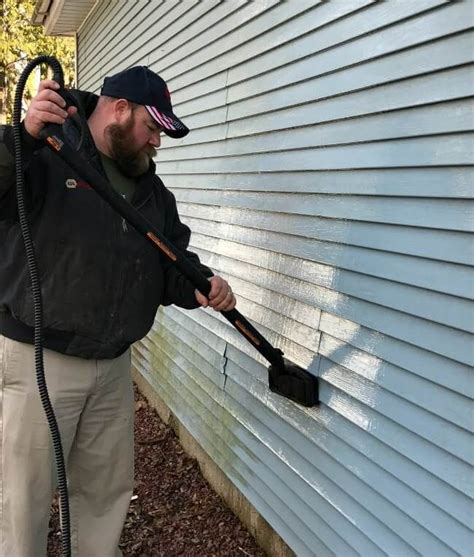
x,y
121,109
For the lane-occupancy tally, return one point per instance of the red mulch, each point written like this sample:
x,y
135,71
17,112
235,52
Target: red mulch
x,y
174,511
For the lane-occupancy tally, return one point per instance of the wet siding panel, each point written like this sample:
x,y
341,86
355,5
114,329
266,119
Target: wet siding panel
x,y
328,177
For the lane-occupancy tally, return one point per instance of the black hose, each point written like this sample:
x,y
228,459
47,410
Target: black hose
x,y
37,298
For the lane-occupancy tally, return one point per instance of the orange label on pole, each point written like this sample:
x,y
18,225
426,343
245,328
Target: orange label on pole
x,y
162,246
55,142
247,333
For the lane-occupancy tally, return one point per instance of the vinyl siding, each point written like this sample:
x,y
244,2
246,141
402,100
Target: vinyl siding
x,y
328,177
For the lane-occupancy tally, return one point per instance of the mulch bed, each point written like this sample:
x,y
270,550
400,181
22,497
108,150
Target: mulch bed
x,y
174,511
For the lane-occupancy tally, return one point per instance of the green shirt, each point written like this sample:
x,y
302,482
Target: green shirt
x,y
122,184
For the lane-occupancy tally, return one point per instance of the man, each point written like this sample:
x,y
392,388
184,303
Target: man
x,y
102,284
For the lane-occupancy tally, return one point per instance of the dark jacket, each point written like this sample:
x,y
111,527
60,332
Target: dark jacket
x,y
101,281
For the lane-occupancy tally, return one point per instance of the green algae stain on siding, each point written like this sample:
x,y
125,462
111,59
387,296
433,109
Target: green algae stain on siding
x,y
197,402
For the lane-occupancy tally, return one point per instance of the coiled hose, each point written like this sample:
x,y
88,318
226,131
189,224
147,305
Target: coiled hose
x,y
37,298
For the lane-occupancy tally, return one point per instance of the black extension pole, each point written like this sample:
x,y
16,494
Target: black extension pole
x,y
54,138
285,378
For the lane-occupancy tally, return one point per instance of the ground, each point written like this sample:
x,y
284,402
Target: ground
x,y
174,511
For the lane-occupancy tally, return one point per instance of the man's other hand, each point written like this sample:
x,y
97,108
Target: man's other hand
x,y
221,297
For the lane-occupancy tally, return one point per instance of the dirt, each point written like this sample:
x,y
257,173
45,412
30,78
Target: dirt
x,y
173,511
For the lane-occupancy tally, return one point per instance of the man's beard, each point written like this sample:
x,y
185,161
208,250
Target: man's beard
x,y
131,161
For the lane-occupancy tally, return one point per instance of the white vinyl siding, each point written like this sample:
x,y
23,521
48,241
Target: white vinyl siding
x,y
328,177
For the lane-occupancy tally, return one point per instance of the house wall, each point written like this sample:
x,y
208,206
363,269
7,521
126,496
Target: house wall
x,y
327,178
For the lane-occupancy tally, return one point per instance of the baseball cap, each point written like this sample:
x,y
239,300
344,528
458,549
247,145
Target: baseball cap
x,y
142,86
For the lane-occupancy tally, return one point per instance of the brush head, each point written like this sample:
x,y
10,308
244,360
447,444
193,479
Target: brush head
x,y
291,381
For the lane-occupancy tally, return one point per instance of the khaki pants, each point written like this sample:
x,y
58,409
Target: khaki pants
x,y
93,402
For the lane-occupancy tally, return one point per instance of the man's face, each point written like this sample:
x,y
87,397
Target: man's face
x,y
134,142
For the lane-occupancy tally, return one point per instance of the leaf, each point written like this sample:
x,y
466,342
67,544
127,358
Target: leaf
x,y
20,42
140,404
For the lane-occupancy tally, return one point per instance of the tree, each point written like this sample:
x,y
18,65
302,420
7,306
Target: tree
x,y
21,41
